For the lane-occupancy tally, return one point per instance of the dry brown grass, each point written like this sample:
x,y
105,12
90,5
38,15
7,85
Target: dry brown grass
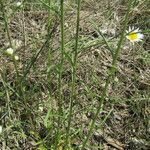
x,y
128,124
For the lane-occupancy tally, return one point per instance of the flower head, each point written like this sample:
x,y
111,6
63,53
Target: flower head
x,y
16,57
9,51
18,4
134,35
41,108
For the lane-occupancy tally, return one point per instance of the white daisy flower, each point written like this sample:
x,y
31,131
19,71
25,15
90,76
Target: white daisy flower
x,y
134,35
9,51
1,129
16,57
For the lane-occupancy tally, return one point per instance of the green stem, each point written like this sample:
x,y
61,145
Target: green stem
x,y
60,111
6,23
62,57
110,76
9,39
35,57
49,48
73,95
7,95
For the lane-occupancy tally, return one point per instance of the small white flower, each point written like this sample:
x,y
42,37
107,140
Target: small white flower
x,y
16,57
1,129
18,4
134,35
116,79
9,51
41,108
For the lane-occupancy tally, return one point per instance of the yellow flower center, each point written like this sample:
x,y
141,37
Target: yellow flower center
x,y
133,36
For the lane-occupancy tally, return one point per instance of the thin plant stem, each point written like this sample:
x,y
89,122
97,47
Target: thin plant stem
x,y
73,92
110,76
60,111
35,57
48,30
23,30
9,38
62,56
49,49
7,95
6,23
49,23
49,6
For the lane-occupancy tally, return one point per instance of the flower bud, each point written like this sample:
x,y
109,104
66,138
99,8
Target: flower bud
x,y
9,51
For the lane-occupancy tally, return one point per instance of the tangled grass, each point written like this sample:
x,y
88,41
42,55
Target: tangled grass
x,y
69,77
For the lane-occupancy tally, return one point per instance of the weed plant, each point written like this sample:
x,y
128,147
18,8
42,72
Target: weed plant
x,y
74,75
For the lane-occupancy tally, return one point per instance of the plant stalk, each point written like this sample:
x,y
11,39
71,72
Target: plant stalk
x,y
73,91
110,76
